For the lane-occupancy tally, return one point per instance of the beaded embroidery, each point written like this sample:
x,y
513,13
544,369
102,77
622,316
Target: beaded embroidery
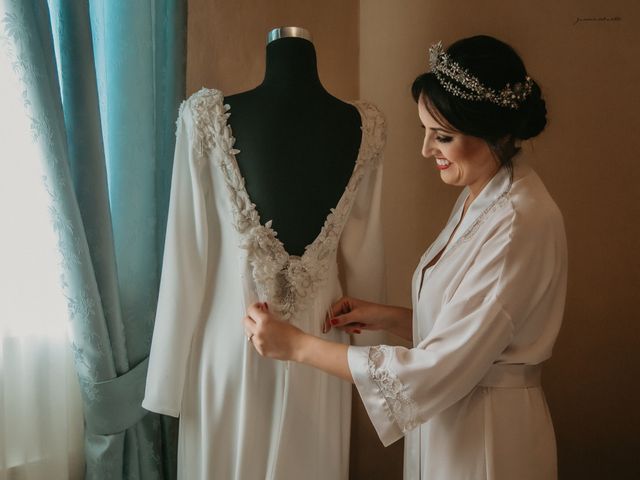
x,y
502,199
287,282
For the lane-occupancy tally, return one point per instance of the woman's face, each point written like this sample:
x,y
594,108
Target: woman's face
x,y
462,160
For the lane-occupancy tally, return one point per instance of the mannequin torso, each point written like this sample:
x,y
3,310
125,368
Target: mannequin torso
x,y
298,144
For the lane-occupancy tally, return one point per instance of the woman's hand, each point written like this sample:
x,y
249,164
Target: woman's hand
x,y
274,338
270,336
353,315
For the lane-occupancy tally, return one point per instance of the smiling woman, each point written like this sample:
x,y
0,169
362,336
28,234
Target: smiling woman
x,y
461,159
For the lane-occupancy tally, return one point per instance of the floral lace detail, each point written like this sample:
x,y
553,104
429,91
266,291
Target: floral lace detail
x,y
401,406
17,42
288,282
210,119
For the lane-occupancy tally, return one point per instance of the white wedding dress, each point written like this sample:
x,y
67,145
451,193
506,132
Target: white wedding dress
x,y
242,416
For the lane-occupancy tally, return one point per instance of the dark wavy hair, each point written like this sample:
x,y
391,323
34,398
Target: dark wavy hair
x,y
495,64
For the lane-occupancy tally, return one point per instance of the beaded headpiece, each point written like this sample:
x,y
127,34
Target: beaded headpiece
x,y
469,87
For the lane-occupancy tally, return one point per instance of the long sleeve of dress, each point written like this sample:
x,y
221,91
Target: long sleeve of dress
x,y
361,249
402,388
183,278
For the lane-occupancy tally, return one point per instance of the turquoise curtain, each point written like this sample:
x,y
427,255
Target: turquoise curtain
x,y
103,80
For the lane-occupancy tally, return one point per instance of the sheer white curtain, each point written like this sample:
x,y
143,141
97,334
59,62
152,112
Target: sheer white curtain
x,y
40,405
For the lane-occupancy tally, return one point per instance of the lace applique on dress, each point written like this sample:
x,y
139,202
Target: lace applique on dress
x,y
287,282
402,408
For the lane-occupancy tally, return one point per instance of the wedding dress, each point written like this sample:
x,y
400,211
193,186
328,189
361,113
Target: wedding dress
x,y
242,416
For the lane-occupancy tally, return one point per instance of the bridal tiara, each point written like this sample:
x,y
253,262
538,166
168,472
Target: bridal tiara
x,y
446,71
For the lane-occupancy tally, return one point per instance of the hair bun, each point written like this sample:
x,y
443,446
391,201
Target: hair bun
x,y
532,115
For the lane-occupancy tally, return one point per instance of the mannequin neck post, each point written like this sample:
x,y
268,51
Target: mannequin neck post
x,y
291,64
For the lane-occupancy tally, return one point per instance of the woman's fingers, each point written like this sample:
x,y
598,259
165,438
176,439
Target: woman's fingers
x,y
259,312
354,327
345,319
344,305
339,313
249,326
249,322
268,334
352,330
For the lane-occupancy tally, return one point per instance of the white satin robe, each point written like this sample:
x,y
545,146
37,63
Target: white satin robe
x,y
467,396
244,417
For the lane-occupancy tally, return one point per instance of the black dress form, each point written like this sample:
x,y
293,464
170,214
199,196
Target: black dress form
x,y
298,144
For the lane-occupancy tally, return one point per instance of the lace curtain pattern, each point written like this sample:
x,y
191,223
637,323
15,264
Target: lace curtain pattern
x,y
39,392
102,82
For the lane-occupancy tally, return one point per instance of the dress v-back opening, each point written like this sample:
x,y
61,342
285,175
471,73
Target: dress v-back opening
x,y
343,201
288,281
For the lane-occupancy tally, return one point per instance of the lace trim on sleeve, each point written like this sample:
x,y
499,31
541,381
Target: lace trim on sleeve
x,y
401,408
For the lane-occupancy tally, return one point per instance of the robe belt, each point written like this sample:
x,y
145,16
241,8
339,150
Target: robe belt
x,y
115,405
512,376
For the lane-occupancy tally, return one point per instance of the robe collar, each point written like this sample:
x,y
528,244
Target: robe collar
x,y
495,189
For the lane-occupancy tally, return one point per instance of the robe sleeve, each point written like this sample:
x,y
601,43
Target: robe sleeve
x,y
402,388
183,277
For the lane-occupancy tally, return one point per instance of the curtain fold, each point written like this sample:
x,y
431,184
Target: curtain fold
x,y
103,82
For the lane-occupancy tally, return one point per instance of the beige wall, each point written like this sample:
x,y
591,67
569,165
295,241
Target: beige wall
x,y
589,158
226,41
